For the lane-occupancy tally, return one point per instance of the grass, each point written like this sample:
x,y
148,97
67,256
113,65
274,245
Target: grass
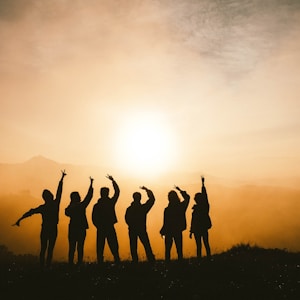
x,y
242,272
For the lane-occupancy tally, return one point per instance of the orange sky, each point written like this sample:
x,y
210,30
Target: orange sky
x,y
145,88
263,214
224,80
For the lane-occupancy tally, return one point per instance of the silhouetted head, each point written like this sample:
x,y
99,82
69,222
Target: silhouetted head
x,y
47,196
75,197
173,197
198,197
104,191
137,197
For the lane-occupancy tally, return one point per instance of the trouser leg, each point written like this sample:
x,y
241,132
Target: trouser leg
x,y
178,243
206,244
146,243
52,240
168,246
80,246
113,243
72,246
133,245
100,245
44,244
198,245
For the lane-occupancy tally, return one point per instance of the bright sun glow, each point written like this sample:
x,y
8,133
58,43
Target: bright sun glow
x,y
145,144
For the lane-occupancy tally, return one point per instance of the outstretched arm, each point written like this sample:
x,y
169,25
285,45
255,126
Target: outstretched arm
x,y
26,215
116,189
89,194
151,198
60,186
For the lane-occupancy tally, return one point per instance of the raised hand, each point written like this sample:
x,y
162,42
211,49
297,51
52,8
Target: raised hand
x,y
109,177
202,179
143,188
91,179
178,188
16,224
63,173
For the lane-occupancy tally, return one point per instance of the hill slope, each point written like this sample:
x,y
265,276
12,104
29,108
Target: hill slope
x,y
243,272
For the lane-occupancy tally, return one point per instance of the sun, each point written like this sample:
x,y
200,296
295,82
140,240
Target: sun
x,y
145,143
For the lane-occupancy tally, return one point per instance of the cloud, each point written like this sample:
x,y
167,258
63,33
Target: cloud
x,y
236,35
12,10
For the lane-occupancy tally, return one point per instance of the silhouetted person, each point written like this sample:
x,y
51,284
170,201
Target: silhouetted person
x,y
174,222
135,216
104,217
78,223
49,212
201,221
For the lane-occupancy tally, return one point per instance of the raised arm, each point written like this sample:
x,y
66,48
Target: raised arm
x,y
205,204
203,185
151,199
204,193
185,195
116,189
60,186
89,194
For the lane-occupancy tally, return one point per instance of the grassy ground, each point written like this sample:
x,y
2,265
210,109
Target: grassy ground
x,y
243,272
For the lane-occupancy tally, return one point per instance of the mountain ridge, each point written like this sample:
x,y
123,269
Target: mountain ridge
x,y
39,162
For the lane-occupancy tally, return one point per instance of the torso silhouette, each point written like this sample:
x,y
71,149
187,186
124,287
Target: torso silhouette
x,y
76,212
174,218
104,212
136,215
200,218
200,215
49,212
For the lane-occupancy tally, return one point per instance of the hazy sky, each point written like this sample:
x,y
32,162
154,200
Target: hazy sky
x,y
210,85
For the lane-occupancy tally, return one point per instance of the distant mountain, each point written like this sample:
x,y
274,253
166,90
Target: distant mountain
x,y
40,160
32,175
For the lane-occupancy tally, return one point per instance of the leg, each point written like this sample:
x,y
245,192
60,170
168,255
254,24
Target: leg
x,y
52,240
44,244
80,246
206,244
168,246
100,245
178,243
72,246
198,244
113,243
133,245
146,243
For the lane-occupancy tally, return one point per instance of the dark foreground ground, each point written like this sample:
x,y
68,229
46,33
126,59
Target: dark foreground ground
x,y
243,272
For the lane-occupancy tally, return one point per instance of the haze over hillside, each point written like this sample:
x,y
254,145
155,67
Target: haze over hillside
x,y
264,215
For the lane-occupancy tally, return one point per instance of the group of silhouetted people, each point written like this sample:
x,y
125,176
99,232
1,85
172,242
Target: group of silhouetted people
x,y
104,218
